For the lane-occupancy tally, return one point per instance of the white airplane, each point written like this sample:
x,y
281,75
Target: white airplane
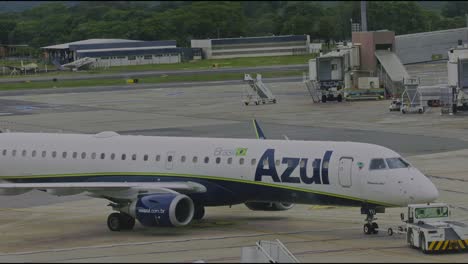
x,y
83,63
30,67
167,181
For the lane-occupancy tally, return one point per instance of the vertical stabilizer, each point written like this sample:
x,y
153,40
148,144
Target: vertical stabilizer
x,y
258,130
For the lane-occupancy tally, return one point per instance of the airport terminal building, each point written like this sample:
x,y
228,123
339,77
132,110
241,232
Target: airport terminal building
x,y
429,46
120,52
253,46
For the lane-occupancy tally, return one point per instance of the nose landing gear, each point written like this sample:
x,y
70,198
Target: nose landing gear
x,y
371,227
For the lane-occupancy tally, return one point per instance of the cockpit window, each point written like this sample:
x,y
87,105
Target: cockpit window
x,y
397,163
377,164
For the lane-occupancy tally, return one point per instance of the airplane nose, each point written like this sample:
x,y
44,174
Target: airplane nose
x,y
429,192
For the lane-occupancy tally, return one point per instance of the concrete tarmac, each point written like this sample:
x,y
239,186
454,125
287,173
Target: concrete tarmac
x,y
36,227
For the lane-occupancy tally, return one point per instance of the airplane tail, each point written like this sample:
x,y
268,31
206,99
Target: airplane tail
x,y
58,65
258,130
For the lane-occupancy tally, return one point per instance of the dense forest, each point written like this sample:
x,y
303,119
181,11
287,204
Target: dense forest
x,y
55,22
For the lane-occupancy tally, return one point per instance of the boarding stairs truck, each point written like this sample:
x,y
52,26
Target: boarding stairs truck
x,y
430,229
261,93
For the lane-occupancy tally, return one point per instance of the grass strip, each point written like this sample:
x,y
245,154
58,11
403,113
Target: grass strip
x,y
144,80
192,65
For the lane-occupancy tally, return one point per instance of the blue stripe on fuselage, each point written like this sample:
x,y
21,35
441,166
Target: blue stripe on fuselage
x,y
218,193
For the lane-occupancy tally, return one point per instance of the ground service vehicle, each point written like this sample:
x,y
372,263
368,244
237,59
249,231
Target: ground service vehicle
x,y
429,228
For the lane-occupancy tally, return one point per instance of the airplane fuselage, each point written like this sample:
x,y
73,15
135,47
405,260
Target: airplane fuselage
x,y
233,170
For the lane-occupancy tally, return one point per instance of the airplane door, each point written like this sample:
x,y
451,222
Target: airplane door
x,y
170,160
345,171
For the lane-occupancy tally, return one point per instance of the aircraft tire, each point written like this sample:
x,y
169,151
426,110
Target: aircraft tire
x,y
199,212
114,222
367,229
127,221
375,228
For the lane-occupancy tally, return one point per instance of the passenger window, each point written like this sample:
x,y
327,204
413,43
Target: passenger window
x,y
83,155
253,161
103,156
182,159
64,155
13,152
229,160
4,152
218,160
124,156
75,155
54,154
24,153
207,159
241,161
377,164
93,155
195,159
145,157
158,157
44,154
169,158
34,153
134,157
112,156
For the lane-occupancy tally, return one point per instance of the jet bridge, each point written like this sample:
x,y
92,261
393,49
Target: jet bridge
x,y
457,69
391,71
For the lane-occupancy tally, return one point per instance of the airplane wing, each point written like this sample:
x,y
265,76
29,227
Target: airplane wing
x,y
109,190
13,68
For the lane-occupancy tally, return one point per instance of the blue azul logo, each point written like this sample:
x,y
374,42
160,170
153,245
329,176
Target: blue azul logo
x,y
319,169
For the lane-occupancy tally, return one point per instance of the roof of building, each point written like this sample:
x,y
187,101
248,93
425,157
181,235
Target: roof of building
x,y
132,52
264,39
456,30
89,41
123,45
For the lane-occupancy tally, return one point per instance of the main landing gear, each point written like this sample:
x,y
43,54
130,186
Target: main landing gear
x,y
120,221
371,227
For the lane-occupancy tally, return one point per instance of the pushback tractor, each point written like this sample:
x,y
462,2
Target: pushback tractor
x,y
429,228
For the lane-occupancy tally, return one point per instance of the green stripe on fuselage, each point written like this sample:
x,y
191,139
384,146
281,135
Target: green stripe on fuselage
x,y
191,176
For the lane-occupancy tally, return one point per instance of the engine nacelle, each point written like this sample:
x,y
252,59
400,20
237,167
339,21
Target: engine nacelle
x,y
269,206
163,210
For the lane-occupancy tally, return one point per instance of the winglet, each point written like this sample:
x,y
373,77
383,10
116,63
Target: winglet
x,y
258,130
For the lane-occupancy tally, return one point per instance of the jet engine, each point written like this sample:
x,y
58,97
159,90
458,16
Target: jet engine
x,y
269,206
163,210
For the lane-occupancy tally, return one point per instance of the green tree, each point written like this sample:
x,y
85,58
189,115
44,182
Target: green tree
x,y
455,8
